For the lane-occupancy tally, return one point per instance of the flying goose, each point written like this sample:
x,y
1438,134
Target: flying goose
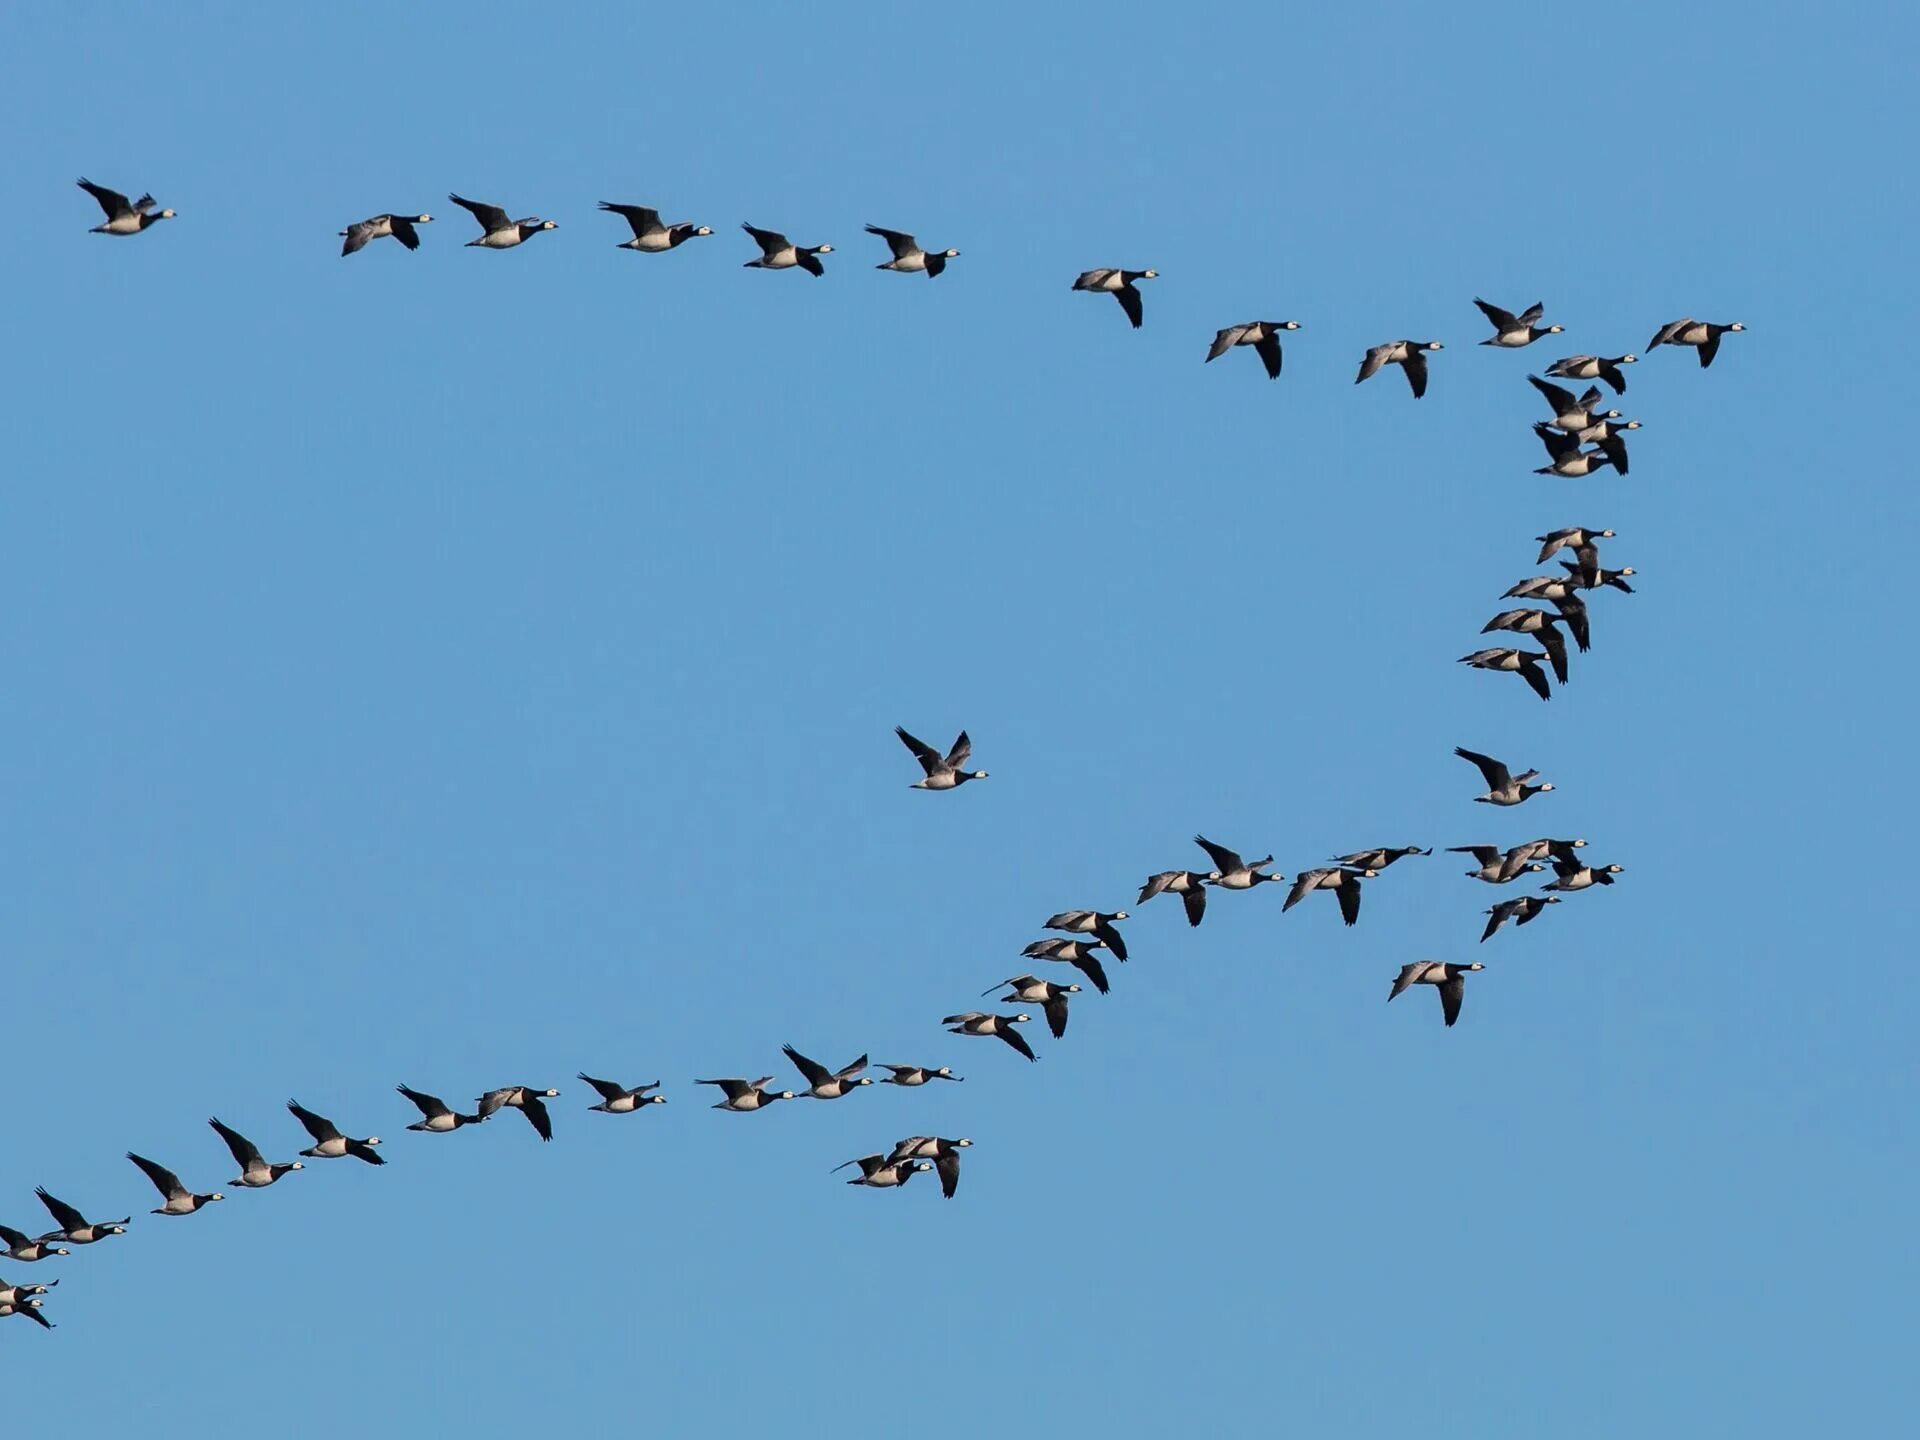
x,y
1511,331
1573,610
436,1116
1606,434
943,771
907,254
1119,284
745,1095
1699,333
15,1294
1594,367
944,1153
75,1228
124,217
1521,909
379,227
617,1099
911,1075
1595,578
650,237
1077,953
1497,866
1570,413
1230,871
328,1142
779,253
1503,786
1262,335
30,1309
1542,587
1542,850
255,1173
1524,663
880,1173
1572,874
1380,859
1094,923
1189,885
524,1098
972,1022
1540,625
1343,882
825,1084
26,1251
1031,990
498,232
1452,980
179,1200
1567,459
1407,354
1576,538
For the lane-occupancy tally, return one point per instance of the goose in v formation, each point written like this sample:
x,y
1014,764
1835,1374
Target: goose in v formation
x,y
363,233
1230,871
524,1098
1189,885
1565,458
497,231
1409,355
650,235
618,1099
1032,990
328,1142
255,1172
1703,335
1495,866
1077,953
1095,923
177,1199
908,257
944,1153
910,1076
1377,860
1120,285
26,1251
779,253
1344,883
1262,335
879,1173
29,1308
1540,625
1524,663
973,1022
1511,331
1593,367
825,1084
75,1228
746,1095
436,1116
1572,413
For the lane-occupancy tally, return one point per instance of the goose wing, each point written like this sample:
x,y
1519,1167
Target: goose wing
x,y
491,217
643,219
111,201
961,751
1502,320
1661,336
1409,975
1105,932
1195,901
318,1126
1453,990
1089,965
245,1153
813,1070
948,1168
1558,396
403,231
535,1109
1531,672
1129,299
930,759
1224,860
1267,347
1497,776
1018,1041
901,243
164,1180
1416,367
64,1214
1349,892
609,1089
428,1105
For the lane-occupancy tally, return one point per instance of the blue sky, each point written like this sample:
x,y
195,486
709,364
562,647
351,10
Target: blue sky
x,y
462,668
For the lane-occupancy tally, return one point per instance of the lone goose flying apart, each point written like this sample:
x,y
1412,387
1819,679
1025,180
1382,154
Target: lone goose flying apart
x,y
1409,355
912,1075
650,237
825,1084
907,254
617,1099
1119,284
1230,871
1503,786
1031,990
1452,980
1701,334
1094,923
255,1172
746,1095
179,1200
1343,882
972,1022
880,1173
1077,953
944,1153
1524,663
1521,910
1378,859
1511,331
1594,367
436,1116
400,227
943,771
1262,335
497,231
75,1228
524,1098
779,253
27,1252
1189,885
1565,457
124,217
328,1142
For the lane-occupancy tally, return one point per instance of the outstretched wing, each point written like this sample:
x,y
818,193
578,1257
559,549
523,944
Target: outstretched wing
x,y
245,1153
1416,367
1268,349
1129,299
815,1072
1557,396
901,243
111,201
535,1109
64,1214
929,758
1349,892
491,217
164,1180
1018,1041
948,1168
1107,935
318,1126
609,1089
404,232
1090,966
1491,770
1196,903
962,749
1500,319
1224,860
643,219
1452,991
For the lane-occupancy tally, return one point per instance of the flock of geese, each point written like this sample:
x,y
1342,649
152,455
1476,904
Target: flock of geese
x,y
1580,438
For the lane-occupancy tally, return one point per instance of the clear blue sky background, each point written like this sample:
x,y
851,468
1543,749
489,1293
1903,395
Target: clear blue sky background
x,y
463,668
